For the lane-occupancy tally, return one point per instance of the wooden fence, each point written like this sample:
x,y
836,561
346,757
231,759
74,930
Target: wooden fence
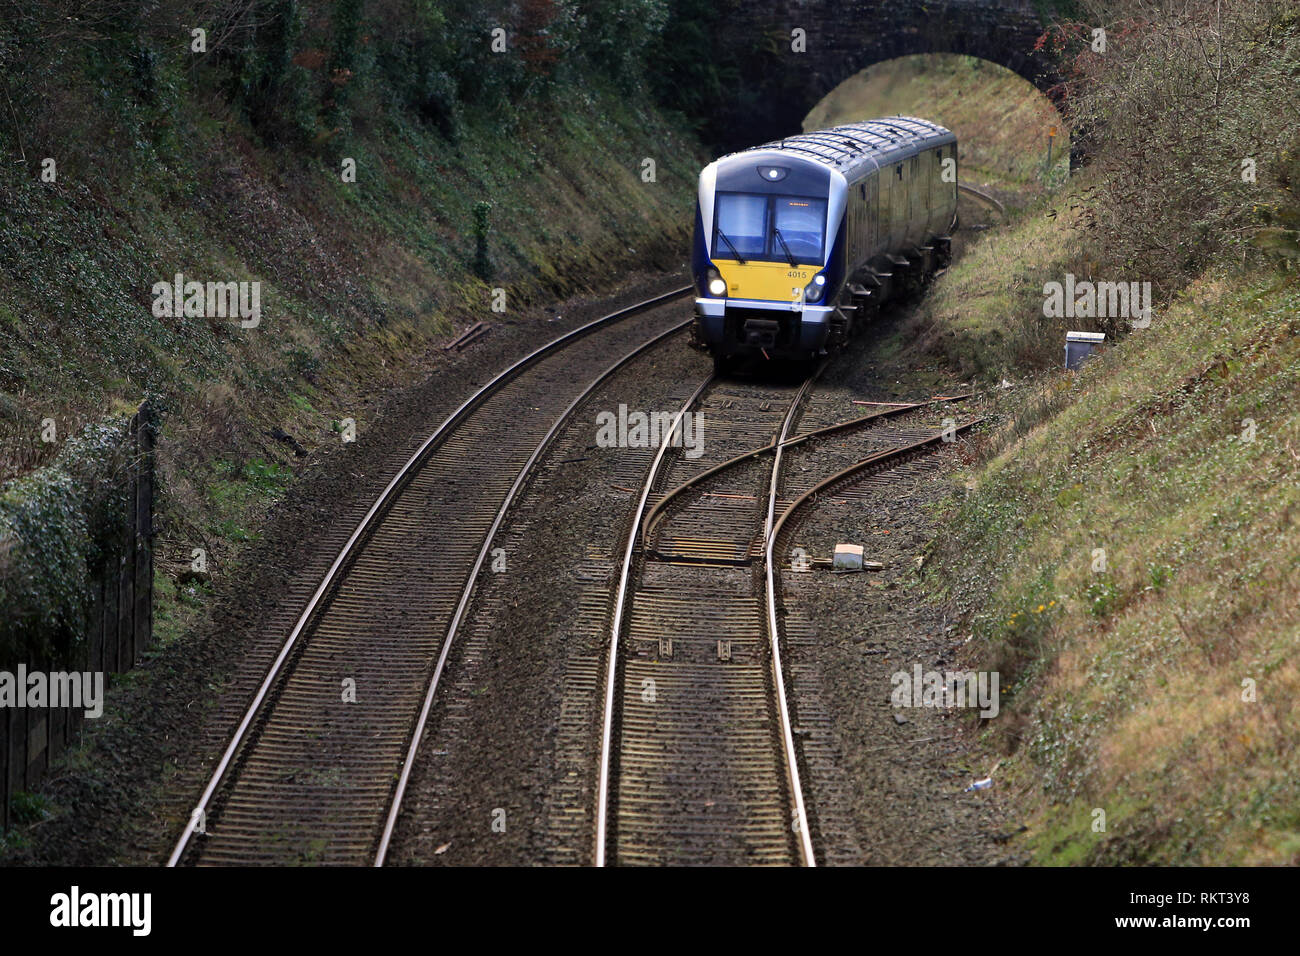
x,y
119,627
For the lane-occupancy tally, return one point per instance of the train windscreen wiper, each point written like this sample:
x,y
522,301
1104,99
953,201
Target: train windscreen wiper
x,y
731,245
794,263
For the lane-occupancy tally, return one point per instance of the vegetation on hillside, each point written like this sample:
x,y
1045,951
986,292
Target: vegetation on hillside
x,y
1124,552
377,166
984,316
1127,560
1192,130
1192,115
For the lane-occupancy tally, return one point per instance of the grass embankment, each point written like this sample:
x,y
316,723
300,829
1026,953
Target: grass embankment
x,y
1125,550
1128,559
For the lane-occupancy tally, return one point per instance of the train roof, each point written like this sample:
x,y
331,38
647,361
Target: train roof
x,y
847,147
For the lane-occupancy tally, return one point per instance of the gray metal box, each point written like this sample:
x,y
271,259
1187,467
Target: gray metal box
x,y
1079,345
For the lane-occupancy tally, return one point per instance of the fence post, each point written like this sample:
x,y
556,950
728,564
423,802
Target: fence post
x,y
95,640
143,493
5,723
57,741
18,749
126,586
38,744
112,619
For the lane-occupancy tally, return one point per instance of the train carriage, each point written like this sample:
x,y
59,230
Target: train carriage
x,y
798,242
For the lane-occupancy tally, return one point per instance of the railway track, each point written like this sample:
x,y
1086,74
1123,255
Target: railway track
x,y
317,768
692,766
701,754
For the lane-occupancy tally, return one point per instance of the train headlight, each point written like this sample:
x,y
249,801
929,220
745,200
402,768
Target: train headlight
x,y
813,290
717,284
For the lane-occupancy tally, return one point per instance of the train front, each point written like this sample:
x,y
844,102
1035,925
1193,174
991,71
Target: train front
x,y
764,255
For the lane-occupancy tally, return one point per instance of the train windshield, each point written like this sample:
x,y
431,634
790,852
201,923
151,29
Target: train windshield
x,y
777,228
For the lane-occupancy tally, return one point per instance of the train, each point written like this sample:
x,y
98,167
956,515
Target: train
x,y
799,242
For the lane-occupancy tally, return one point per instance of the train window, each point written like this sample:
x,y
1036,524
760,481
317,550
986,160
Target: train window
x,y
802,224
862,190
898,170
742,225
775,228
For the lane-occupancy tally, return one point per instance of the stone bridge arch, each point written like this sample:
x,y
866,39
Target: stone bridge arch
x,y
775,86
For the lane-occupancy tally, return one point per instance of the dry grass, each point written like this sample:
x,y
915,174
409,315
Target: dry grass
x,y
1127,693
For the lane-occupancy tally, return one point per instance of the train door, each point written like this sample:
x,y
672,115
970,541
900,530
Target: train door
x,y
873,213
883,180
915,204
925,191
897,205
858,216
948,189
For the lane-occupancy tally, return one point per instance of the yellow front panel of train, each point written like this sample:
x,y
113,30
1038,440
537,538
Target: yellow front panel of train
x,y
770,281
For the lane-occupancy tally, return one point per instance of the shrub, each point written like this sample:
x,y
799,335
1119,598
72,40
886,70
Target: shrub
x,y
1185,98
58,526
